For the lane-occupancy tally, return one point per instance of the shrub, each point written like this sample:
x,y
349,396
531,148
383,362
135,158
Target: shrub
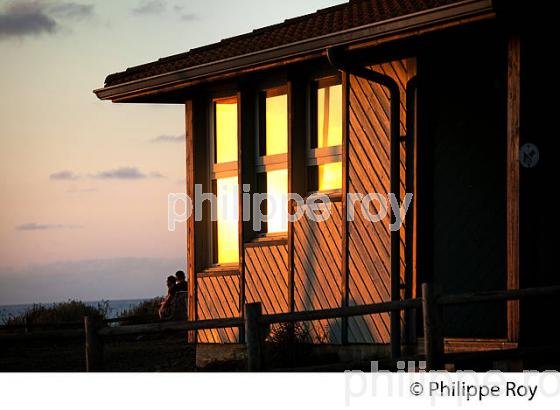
x,y
288,345
145,312
70,311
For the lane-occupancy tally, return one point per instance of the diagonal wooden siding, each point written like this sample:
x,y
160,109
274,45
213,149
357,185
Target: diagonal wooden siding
x,y
266,277
318,246
218,297
369,172
317,271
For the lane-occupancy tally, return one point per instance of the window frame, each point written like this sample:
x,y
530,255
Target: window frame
x,y
325,155
220,170
267,163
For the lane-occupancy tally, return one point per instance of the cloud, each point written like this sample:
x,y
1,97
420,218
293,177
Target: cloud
x,y
38,227
188,17
153,7
74,190
179,9
72,11
126,173
65,175
117,173
168,138
156,175
32,18
150,7
25,19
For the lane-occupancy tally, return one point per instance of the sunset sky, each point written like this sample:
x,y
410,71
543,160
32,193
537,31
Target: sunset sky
x,y
84,183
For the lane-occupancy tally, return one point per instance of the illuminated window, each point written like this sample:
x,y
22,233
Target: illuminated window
x,y
276,133
225,182
329,115
226,130
326,136
272,160
228,217
277,204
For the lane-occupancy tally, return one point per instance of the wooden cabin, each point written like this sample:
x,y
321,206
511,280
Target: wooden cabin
x,y
402,96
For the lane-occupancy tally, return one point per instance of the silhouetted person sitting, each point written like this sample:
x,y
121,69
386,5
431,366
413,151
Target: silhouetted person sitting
x,y
181,296
181,283
167,307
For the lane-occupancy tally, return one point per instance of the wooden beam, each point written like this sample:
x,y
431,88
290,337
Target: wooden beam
x,y
434,347
497,295
179,326
297,127
246,170
513,139
344,277
191,262
253,312
93,344
43,336
333,313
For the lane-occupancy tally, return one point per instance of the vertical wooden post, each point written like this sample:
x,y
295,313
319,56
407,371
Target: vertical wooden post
x,y
28,323
344,288
253,336
395,182
297,170
94,344
191,262
241,133
246,173
433,329
513,142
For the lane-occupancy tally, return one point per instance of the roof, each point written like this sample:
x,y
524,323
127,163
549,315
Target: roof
x,y
354,21
330,20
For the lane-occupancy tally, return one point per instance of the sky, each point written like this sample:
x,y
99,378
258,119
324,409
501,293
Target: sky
x,y
84,183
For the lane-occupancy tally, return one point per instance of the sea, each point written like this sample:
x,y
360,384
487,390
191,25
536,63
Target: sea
x,y
115,307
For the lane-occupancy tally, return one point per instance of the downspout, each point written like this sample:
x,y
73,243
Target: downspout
x,y
337,61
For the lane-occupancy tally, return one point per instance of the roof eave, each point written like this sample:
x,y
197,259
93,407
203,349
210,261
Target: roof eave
x,y
411,22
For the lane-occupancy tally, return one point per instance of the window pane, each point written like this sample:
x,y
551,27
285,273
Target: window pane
x,y
277,200
330,176
329,116
226,130
277,124
228,217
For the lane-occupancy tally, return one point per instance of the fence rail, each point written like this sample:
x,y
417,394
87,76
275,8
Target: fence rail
x,y
95,332
29,325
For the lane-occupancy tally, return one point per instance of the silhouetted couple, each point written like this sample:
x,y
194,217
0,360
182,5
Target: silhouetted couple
x,y
174,305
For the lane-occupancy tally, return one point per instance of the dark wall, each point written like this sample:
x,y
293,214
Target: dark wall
x,y
462,174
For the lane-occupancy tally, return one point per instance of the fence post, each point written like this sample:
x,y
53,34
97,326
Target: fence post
x,y
28,323
253,337
93,344
433,329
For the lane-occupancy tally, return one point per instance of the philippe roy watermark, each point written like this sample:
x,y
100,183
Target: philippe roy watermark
x,y
413,381
373,207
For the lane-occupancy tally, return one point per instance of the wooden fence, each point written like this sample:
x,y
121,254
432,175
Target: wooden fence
x,y
431,305
96,332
